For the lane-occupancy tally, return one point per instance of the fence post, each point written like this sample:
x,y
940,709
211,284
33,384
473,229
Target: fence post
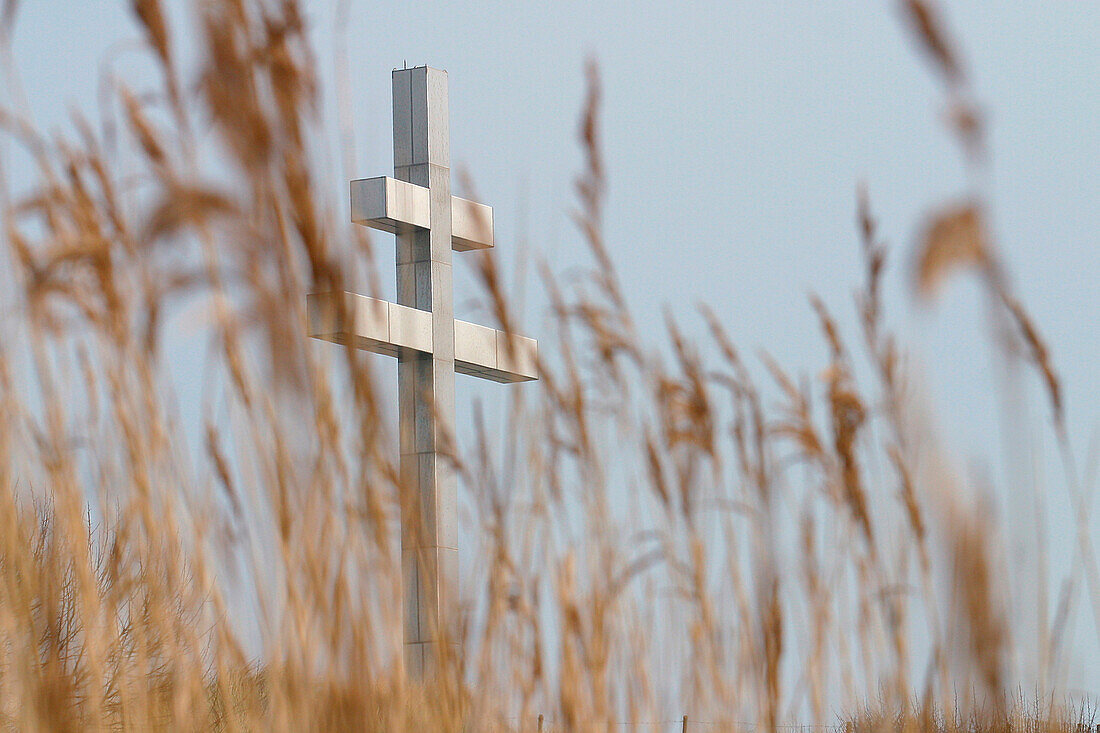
x,y
540,722
684,728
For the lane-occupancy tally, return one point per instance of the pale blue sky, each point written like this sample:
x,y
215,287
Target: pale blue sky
x,y
735,134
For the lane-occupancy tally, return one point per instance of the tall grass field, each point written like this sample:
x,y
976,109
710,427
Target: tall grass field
x,y
670,526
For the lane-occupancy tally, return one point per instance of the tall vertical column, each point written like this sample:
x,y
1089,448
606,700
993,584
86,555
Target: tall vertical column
x,y
426,383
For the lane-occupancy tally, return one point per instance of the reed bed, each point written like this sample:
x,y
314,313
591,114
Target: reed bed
x,y
670,527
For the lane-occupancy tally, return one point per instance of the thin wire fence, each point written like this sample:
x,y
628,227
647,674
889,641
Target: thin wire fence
x,y
686,724
683,724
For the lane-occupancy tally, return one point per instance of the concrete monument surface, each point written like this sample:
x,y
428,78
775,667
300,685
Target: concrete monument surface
x,y
420,330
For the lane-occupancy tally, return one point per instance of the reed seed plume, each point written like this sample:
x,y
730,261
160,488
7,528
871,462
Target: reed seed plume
x,y
954,239
929,30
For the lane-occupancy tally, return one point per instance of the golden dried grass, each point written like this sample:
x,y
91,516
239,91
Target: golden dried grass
x,y
253,585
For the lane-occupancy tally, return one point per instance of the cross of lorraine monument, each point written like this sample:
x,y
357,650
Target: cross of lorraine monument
x,y
430,345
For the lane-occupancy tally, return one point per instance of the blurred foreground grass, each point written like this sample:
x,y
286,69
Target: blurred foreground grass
x,y
808,558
